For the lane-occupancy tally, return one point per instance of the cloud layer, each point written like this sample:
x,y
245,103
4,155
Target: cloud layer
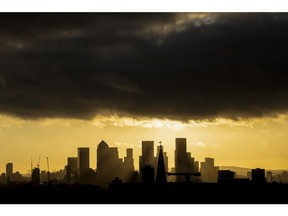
x,y
170,65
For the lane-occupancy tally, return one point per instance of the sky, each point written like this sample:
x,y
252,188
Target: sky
x,y
71,80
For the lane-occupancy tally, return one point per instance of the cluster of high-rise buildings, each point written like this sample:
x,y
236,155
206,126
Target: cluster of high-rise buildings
x,y
152,168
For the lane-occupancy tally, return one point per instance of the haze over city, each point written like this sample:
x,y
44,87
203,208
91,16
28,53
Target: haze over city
x,y
72,80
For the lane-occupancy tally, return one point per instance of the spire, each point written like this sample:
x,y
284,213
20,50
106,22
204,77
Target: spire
x,y
161,175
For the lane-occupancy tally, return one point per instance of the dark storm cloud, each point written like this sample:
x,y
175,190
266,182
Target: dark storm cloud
x,y
115,81
179,66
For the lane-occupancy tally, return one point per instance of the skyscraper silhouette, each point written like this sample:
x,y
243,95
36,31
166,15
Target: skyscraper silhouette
x,y
83,160
9,170
209,172
109,165
147,153
72,162
183,160
147,157
161,172
102,154
128,160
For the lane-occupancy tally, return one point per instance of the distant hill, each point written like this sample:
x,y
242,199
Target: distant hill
x,y
243,170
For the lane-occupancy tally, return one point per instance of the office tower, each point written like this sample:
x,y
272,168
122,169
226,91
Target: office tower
x,y
83,160
190,163
102,154
258,176
180,156
9,170
184,163
209,161
161,171
147,157
109,165
128,160
71,170
209,172
72,162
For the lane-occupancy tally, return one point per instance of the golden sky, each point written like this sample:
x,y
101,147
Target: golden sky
x,y
251,143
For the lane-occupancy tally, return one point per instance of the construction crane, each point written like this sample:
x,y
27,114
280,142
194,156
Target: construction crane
x,y
186,174
48,172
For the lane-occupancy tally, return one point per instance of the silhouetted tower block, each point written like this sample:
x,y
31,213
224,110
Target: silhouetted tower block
x,y
258,176
109,165
147,157
161,171
102,155
9,170
190,163
72,162
184,163
225,175
35,179
147,174
209,172
83,160
128,160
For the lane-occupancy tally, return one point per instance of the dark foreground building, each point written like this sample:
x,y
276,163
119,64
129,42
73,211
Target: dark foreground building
x,y
127,193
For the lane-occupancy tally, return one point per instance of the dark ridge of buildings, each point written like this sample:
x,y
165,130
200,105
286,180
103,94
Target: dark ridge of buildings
x,y
139,193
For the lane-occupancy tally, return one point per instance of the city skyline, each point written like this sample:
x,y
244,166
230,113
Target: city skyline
x,y
153,168
72,80
108,157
